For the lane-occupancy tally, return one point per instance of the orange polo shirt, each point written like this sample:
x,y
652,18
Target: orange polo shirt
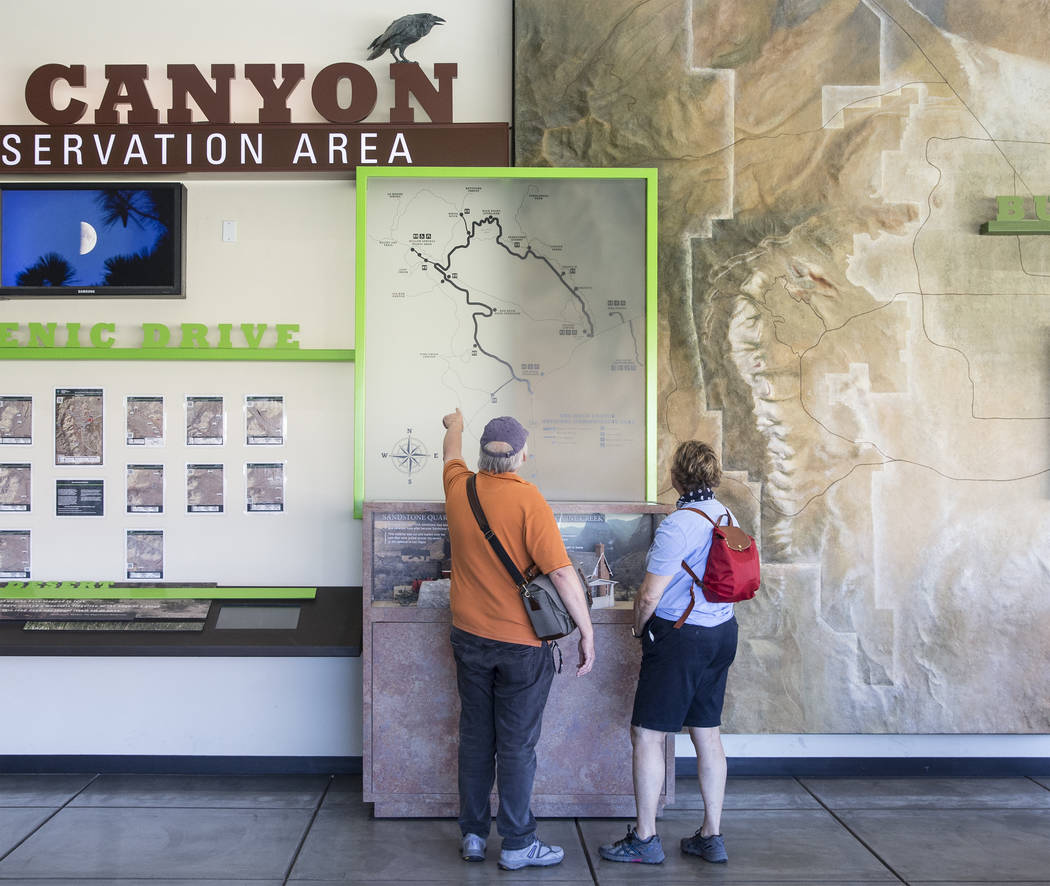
x,y
485,602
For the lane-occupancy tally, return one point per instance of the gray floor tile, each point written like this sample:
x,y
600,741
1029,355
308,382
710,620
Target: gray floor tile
x,y
801,846
79,881
43,789
157,843
345,792
962,844
206,791
344,848
928,793
17,824
1043,780
747,793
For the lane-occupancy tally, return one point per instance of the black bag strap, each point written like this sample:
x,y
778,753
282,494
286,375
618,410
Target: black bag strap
x,y
490,536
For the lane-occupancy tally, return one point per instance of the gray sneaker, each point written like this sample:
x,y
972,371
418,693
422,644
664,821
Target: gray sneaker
x,y
472,848
711,849
538,854
631,848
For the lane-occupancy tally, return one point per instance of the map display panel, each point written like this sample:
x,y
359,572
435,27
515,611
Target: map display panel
x,y
521,296
78,426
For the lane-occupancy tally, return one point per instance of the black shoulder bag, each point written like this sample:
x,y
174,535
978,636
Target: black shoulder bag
x,y
543,604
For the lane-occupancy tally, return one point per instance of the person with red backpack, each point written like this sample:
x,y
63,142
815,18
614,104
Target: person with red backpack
x,y
688,644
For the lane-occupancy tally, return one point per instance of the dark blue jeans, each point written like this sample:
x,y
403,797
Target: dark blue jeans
x,y
503,688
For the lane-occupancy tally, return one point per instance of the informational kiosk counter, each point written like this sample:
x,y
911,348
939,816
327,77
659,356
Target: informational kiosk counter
x,y
411,706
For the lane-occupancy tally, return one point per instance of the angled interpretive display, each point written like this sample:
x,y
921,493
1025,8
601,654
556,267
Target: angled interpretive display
x,y
528,292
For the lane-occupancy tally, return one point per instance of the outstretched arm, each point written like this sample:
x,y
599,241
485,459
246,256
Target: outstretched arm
x,y
453,444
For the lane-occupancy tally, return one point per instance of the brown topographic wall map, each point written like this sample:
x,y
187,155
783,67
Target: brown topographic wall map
x,y
875,373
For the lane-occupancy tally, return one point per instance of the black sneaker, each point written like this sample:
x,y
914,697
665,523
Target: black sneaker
x,y
632,848
711,849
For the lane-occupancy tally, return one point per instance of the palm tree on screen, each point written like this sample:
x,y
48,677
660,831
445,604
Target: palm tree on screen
x,y
49,270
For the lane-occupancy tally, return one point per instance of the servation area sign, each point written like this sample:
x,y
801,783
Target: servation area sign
x,y
524,292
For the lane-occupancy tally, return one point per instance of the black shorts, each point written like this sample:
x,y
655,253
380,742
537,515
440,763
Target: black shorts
x,y
683,675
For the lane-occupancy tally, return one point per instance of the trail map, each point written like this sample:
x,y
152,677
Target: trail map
x,y
521,297
78,426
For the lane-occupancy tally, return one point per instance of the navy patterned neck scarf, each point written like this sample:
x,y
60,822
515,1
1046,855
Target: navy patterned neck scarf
x,y
704,493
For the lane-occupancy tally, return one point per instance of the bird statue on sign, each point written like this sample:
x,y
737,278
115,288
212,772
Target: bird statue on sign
x,y
402,32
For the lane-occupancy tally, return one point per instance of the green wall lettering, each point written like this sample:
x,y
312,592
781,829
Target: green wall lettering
x,y
7,331
96,335
42,335
1010,208
155,335
253,333
285,331
194,335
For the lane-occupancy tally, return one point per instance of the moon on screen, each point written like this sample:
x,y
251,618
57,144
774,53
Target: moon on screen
x,y
88,238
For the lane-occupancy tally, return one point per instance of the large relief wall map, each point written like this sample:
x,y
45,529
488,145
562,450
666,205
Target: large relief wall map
x,y
874,372
506,296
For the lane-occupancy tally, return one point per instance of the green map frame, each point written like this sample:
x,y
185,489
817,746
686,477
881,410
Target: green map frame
x,y
649,176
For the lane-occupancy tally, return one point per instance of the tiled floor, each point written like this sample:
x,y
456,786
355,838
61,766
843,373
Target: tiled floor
x,y
268,831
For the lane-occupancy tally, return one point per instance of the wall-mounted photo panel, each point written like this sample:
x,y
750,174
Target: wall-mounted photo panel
x,y
78,426
15,487
79,498
14,553
16,421
205,421
145,421
264,421
144,553
145,489
264,486
205,492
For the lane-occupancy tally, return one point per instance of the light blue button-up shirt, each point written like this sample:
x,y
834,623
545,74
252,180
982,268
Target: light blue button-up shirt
x,y
687,536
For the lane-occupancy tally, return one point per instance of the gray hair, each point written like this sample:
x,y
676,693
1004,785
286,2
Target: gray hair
x,y
500,464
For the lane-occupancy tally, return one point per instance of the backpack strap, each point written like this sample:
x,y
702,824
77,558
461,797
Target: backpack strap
x,y
693,575
729,520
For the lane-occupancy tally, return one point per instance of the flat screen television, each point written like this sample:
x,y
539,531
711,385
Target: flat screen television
x,y
84,240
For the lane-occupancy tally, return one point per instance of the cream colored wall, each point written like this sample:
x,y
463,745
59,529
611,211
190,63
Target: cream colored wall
x,y
293,262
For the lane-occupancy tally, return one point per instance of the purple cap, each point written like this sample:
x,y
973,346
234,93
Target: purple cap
x,y
504,430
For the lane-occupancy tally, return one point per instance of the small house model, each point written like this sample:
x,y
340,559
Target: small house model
x,y
596,574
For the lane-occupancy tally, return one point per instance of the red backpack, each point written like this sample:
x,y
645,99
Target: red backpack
x,y
733,572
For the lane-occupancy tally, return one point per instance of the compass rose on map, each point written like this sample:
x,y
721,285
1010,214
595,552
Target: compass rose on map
x,y
409,455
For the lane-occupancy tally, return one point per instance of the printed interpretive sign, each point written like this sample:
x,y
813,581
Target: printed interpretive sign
x,y
145,421
14,553
78,426
205,421
15,487
79,498
108,610
406,549
16,420
264,486
521,295
145,553
145,489
204,489
264,421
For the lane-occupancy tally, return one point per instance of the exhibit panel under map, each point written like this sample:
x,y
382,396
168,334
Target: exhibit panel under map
x,y
409,682
506,293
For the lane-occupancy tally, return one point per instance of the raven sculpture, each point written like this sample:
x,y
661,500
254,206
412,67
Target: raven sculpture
x,y
402,32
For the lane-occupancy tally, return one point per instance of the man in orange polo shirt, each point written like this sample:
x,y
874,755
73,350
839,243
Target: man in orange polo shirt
x,y
503,671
